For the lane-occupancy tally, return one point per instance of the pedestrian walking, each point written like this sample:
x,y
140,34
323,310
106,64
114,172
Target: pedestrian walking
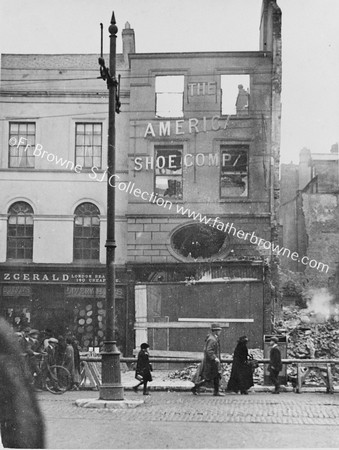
x,y
143,369
275,364
211,365
241,378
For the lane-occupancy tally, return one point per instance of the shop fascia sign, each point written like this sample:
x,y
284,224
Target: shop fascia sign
x,y
53,277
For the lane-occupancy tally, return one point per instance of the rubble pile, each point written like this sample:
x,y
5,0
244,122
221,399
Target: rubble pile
x,y
184,374
308,336
188,372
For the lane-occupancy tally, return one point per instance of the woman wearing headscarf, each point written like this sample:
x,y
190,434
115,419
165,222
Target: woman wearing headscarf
x,y
241,378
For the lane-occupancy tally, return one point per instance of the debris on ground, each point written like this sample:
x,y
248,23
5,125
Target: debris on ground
x,y
309,336
188,372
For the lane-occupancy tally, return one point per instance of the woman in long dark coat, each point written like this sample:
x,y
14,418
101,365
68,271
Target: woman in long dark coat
x,y
241,374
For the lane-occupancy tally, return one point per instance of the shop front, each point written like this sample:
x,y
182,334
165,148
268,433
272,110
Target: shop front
x,y
64,299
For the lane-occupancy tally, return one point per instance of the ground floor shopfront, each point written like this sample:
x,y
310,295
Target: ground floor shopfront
x,y
170,306
176,303
66,298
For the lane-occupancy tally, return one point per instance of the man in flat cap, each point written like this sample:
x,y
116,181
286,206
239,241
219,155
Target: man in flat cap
x,y
275,364
211,366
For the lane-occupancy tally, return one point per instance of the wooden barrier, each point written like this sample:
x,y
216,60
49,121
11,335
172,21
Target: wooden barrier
x,y
90,376
323,370
323,367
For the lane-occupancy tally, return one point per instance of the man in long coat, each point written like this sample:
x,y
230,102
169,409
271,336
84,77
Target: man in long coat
x,y
211,366
275,365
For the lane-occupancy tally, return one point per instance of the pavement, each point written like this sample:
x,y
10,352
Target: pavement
x,y
177,419
162,381
171,417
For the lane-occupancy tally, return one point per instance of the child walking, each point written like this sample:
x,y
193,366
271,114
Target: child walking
x,y
143,369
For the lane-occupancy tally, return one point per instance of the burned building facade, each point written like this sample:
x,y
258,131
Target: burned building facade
x,y
196,186
309,216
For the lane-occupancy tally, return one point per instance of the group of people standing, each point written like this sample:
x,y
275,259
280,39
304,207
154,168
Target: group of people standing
x,y
42,349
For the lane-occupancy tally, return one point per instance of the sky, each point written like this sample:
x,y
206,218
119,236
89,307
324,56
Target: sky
x,y
310,46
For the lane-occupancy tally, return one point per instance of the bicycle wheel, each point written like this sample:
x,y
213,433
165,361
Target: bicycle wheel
x,y
58,380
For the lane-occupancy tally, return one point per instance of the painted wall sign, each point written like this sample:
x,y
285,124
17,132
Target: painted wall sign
x,y
173,162
182,126
202,88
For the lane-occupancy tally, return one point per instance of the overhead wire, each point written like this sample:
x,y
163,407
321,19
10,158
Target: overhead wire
x,y
137,119
182,72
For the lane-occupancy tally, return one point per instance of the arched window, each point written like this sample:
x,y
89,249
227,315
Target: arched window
x,y
87,232
20,231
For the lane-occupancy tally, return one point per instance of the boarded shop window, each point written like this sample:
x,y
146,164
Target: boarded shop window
x,y
235,94
87,232
169,96
21,144
234,171
20,231
88,144
168,171
198,241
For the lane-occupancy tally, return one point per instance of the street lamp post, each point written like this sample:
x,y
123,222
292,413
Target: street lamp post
x,y
111,387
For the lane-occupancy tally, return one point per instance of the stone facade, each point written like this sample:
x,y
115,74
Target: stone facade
x,y
195,184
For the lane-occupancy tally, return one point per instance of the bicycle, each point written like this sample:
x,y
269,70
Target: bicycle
x,y
55,378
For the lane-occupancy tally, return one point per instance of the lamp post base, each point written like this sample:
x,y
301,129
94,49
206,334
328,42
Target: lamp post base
x,y
111,392
111,388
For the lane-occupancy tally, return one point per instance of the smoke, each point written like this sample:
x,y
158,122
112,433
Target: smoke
x,y
320,305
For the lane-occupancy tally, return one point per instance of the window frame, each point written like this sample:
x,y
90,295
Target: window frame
x,y
84,146
245,113
30,147
169,147
229,147
18,236
160,114
82,238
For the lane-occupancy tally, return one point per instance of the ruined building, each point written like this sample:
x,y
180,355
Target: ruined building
x,y
197,186
309,215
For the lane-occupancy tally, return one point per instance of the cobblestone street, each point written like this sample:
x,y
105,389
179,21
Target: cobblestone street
x,y
181,420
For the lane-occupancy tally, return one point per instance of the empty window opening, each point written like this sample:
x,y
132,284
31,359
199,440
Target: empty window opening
x,y
169,96
235,94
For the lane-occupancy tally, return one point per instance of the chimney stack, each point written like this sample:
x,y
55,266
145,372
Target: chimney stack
x,y
335,148
128,41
